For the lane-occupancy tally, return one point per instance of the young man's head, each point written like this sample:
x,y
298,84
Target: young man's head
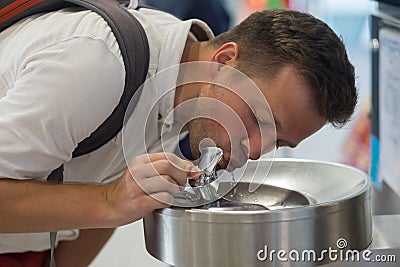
x,y
301,68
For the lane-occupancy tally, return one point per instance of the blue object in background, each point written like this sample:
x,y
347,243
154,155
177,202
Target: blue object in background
x,y
211,12
374,173
184,146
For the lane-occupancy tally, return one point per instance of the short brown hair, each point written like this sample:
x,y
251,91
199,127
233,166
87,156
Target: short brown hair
x,y
277,38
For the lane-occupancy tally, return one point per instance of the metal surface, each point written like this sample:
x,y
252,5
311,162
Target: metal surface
x,y
385,246
267,197
385,201
200,237
272,197
205,189
386,234
209,158
229,205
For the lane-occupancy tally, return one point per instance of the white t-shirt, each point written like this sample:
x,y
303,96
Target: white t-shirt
x,y
61,76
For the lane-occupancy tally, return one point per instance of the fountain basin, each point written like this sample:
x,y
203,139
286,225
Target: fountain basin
x,y
337,217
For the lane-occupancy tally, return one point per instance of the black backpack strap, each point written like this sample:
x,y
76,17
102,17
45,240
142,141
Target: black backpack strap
x,y
57,175
134,48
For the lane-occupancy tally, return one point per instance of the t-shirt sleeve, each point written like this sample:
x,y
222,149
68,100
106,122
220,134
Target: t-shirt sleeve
x,y
61,95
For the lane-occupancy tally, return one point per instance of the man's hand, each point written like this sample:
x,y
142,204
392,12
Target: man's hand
x,y
149,183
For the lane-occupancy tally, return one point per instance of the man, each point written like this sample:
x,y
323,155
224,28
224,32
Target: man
x,y
63,74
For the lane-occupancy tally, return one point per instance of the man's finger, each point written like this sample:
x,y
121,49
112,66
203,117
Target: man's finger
x,y
157,184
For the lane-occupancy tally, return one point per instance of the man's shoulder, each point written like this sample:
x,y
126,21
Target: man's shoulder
x,y
38,32
49,28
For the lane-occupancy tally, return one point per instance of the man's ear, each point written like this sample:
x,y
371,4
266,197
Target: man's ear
x,y
226,54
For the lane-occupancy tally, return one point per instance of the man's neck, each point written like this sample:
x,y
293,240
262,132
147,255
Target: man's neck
x,y
193,51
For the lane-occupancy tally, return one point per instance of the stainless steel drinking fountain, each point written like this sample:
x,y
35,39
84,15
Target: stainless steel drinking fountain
x,y
304,206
